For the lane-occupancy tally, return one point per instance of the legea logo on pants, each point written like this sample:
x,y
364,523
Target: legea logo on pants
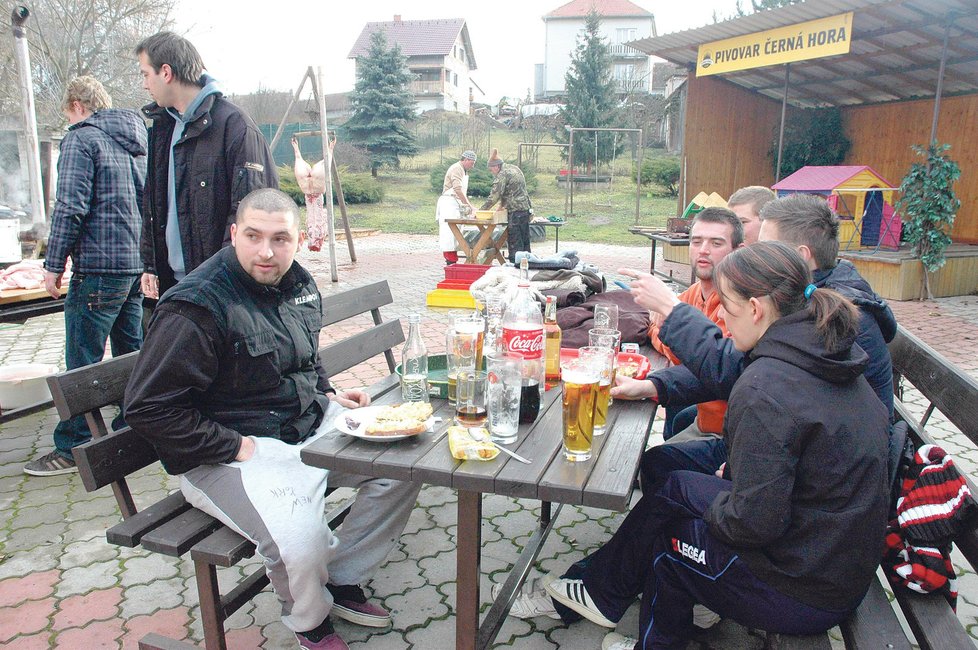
x,y
689,551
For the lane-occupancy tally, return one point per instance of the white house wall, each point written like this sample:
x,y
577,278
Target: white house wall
x,y
561,42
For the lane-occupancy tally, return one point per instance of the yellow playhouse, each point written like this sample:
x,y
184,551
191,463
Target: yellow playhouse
x,y
860,196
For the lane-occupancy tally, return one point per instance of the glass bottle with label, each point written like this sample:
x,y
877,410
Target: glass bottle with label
x,y
552,335
414,364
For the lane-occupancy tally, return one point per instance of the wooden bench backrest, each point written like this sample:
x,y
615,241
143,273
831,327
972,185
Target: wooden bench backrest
x,y
955,394
110,457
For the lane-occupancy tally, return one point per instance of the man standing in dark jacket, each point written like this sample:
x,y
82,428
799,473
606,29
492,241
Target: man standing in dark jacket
x,y
206,154
101,170
229,388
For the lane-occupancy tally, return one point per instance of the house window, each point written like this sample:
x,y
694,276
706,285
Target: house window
x,y
455,79
624,72
461,54
625,34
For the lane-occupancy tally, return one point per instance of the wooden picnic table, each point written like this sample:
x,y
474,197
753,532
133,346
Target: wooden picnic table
x,y
658,235
488,240
604,481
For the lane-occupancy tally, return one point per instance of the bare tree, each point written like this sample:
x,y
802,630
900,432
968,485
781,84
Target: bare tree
x,y
75,37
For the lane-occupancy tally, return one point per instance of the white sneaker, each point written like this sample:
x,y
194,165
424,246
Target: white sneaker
x,y
573,594
704,618
532,600
615,641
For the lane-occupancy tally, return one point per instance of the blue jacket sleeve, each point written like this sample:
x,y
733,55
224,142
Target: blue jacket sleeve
x,y
76,177
706,354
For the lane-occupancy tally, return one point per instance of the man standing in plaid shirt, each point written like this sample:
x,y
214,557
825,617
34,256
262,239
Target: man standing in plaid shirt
x,y
96,221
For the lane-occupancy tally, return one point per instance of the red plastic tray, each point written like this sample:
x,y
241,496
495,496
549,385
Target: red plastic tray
x,y
623,357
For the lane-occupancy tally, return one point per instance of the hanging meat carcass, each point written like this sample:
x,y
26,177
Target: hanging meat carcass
x,y
312,181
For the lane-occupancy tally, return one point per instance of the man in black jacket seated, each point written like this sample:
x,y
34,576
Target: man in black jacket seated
x,y
228,388
711,365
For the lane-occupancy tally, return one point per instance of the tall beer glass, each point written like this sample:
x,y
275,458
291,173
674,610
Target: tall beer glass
x,y
579,389
603,360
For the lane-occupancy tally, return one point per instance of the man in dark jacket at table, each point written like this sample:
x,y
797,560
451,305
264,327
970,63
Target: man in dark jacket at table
x,y
229,388
205,155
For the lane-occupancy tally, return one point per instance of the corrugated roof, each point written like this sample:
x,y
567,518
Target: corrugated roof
x,y
895,53
814,178
605,8
417,37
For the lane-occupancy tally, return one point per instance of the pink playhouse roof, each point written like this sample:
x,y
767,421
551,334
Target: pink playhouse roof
x,y
814,178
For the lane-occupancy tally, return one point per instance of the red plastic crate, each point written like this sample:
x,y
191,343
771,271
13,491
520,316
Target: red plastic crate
x,y
469,272
454,284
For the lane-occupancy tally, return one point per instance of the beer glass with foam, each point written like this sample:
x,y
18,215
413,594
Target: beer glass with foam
x,y
579,390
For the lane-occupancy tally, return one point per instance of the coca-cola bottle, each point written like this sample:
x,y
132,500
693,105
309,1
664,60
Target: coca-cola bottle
x,y
523,335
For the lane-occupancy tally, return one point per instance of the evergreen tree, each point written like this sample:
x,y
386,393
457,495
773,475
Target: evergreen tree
x,y
383,105
591,100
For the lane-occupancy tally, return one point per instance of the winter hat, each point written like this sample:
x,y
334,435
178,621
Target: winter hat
x,y
468,154
494,159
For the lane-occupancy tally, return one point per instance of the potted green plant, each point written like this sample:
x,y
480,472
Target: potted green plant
x,y
928,206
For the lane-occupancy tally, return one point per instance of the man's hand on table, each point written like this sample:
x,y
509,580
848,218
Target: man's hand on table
x,y
52,282
351,399
629,388
150,284
651,292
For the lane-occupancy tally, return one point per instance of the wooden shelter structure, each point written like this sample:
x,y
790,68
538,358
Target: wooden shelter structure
x,y
910,76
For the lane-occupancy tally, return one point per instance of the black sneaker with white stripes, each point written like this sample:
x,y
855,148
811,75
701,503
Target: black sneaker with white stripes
x,y
50,464
573,594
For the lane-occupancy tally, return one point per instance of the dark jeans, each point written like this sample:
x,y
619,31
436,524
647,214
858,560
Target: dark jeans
x,y
704,456
678,419
665,552
98,307
518,234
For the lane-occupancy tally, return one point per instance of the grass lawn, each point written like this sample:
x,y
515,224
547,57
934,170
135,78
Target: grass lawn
x,y
601,214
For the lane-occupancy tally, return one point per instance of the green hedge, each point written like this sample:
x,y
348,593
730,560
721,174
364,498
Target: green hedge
x,y
357,188
661,170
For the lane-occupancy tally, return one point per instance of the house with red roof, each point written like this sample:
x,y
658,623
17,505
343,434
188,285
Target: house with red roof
x,y
439,54
621,22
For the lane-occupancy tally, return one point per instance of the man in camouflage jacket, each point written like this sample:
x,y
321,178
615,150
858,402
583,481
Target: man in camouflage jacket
x,y
509,190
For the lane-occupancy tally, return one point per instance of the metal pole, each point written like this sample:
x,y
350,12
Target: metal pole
x,y
784,109
940,81
570,174
328,163
18,18
638,176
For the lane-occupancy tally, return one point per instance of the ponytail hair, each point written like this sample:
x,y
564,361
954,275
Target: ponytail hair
x,y
776,270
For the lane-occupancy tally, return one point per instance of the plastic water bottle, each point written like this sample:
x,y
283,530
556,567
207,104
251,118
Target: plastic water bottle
x,y
414,364
523,335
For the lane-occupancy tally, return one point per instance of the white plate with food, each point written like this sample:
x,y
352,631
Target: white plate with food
x,y
386,423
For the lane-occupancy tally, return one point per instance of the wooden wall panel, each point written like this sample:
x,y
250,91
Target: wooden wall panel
x,y
882,136
728,133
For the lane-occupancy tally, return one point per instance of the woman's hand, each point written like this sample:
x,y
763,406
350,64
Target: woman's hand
x,y
651,292
629,388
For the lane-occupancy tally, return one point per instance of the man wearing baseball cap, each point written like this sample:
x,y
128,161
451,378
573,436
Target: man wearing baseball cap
x,y
453,202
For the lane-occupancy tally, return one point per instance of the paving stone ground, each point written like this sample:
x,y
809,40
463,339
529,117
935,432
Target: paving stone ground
x,y
63,586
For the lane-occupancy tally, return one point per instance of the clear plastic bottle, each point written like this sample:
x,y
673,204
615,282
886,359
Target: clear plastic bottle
x,y
553,335
414,364
523,334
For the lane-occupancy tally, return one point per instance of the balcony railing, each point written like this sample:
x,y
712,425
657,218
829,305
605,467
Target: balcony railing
x,y
427,87
632,85
626,52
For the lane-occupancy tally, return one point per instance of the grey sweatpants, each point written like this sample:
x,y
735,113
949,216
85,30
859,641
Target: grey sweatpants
x,y
278,503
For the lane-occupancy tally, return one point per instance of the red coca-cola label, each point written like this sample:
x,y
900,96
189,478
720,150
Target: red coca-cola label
x,y
527,343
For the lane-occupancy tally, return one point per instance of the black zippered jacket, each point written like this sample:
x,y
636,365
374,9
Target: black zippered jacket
x,y
219,159
227,357
807,441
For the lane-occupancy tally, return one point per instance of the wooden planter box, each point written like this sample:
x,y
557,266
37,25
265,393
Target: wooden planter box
x,y
897,275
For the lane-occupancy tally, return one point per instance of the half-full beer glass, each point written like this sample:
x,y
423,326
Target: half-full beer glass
x,y
603,359
579,389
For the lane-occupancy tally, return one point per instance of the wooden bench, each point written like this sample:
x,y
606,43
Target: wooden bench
x,y
171,526
935,626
